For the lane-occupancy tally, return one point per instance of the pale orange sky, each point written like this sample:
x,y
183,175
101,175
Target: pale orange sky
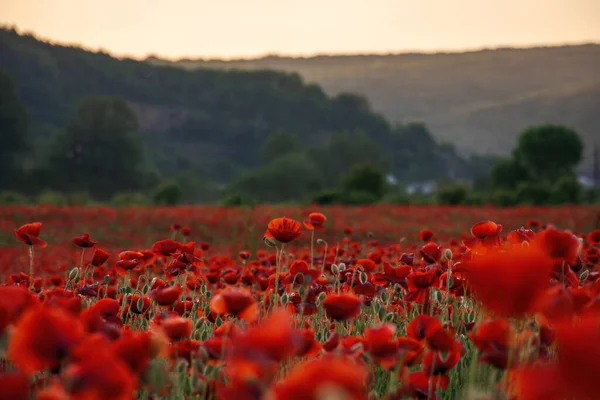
x,y
237,28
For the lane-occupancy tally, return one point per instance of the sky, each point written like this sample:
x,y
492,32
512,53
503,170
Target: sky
x,y
246,28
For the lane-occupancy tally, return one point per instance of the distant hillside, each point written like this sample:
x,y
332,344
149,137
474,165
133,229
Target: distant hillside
x,y
477,100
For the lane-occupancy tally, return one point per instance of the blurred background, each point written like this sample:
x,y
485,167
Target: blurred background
x,y
271,101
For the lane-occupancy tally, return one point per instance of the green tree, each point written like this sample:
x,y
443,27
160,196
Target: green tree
x,y
365,178
549,151
14,139
507,174
278,144
99,151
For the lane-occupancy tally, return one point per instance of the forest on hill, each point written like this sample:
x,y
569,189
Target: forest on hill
x,y
479,101
212,131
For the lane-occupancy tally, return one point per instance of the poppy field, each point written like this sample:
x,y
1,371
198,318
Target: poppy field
x,y
276,302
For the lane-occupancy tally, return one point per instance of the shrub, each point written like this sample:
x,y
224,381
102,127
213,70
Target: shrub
x,y
452,194
238,200
124,199
331,196
365,179
567,190
504,198
10,197
534,193
169,194
52,197
358,197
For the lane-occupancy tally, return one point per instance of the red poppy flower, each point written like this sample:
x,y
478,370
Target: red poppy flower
x,y
367,264
342,307
15,386
579,356
315,379
520,235
166,247
538,381
419,326
238,302
483,229
509,283
244,255
436,363
177,328
101,375
29,234
14,300
308,346
186,231
348,231
332,342
42,338
84,241
426,235
493,338
418,385
100,257
315,221
164,294
431,252
134,349
380,343
594,237
559,244
283,230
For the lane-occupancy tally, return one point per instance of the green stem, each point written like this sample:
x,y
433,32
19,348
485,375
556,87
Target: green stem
x,y
31,257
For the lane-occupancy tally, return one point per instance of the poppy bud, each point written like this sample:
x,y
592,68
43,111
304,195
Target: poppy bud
x,y
321,241
199,323
140,303
218,321
106,279
73,274
321,297
384,296
584,276
363,277
284,299
448,254
334,269
145,289
342,266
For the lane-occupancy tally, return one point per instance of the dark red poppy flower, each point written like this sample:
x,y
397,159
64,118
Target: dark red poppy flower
x,y
100,257
493,338
342,307
84,241
186,231
244,255
29,234
348,231
308,346
367,264
594,237
186,349
310,381
419,385
166,247
234,301
426,235
15,386
509,283
558,244
315,221
419,326
43,338
380,343
283,230
332,342
431,252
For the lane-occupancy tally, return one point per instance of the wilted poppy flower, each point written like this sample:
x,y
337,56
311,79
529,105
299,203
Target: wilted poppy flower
x,y
15,386
559,244
426,235
493,338
29,234
84,241
43,337
315,221
100,257
342,307
283,230
509,283
329,377
238,302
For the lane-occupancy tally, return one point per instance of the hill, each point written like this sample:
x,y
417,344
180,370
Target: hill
x,y
479,100
212,124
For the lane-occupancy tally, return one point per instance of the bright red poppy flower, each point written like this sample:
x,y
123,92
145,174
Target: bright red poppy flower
x,y
559,245
493,338
43,338
315,221
235,301
29,234
283,230
100,257
509,283
177,328
484,229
